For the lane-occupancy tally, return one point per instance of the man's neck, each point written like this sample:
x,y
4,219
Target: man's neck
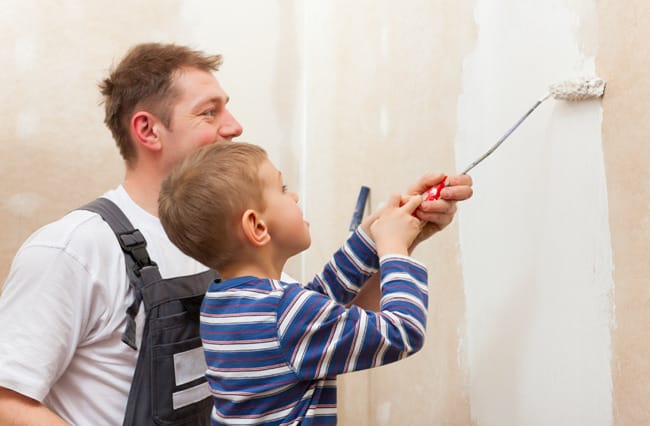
x,y
143,188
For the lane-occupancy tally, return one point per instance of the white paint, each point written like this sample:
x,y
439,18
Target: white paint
x,y
535,241
384,42
384,122
25,52
382,413
27,124
304,118
23,204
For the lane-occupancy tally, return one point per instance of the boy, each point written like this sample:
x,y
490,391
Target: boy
x,y
274,349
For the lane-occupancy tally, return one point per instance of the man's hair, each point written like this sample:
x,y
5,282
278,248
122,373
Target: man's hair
x,y
203,198
144,79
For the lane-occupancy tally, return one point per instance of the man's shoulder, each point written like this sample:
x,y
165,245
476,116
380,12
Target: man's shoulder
x,y
79,229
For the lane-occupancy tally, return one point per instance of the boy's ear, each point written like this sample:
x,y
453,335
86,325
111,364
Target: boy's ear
x,y
144,128
254,228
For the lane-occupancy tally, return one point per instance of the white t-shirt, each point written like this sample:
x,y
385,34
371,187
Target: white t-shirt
x,y
62,313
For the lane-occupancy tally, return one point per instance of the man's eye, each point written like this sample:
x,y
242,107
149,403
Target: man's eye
x,y
210,113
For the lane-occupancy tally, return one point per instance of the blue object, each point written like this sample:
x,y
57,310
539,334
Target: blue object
x,y
360,208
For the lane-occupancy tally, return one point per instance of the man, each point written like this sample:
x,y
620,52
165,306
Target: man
x,y
63,307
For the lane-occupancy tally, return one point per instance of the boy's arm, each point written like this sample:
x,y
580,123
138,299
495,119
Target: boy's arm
x,y
369,297
348,269
321,338
436,214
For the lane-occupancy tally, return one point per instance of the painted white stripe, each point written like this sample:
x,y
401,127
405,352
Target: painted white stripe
x,y
403,258
190,396
289,316
244,347
413,321
331,347
306,339
383,328
358,262
407,297
328,290
246,374
189,365
366,238
400,276
398,325
343,279
358,343
239,397
236,295
321,411
251,420
224,319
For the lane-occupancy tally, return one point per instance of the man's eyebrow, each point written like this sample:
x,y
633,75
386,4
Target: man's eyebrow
x,y
218,100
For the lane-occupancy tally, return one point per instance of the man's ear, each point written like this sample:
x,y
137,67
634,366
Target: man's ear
x,y
254,228
145,130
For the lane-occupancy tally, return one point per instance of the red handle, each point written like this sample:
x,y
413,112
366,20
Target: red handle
x,y
433,193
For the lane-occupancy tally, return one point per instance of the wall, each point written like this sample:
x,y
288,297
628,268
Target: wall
x,y
382,86
538,295
535,242
624,58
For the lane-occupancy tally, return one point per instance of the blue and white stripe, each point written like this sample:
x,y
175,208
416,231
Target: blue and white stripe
x,y
274,349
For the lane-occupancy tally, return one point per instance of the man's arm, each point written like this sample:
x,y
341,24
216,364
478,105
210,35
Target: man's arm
x,y
19,410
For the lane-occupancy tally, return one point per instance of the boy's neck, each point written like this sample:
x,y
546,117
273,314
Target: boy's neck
x,y
253,268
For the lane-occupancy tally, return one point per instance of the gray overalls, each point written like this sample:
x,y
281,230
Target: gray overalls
x,y
169,386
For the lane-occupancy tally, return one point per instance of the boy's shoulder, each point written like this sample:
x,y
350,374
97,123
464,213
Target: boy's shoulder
x,y
250,285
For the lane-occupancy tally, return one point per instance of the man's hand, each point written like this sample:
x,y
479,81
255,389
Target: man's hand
x,y
437,214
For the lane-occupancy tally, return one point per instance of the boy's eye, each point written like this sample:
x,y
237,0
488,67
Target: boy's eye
x,y
284,188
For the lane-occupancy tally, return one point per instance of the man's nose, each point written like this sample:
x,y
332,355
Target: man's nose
x,y
230,127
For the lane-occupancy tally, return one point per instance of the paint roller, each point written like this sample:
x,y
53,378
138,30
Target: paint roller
x,y
579,89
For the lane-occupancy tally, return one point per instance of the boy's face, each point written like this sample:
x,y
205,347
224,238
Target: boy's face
x,y
289,231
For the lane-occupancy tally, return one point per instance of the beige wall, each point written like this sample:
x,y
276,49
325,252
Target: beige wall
x,y
383,82
624,57
345,94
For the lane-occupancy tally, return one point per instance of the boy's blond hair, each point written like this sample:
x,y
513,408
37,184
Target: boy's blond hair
x,y
203,198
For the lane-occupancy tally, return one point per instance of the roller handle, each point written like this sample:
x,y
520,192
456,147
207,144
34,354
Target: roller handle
x,y
433,193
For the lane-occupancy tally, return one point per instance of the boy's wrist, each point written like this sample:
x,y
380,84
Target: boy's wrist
x,y
392,249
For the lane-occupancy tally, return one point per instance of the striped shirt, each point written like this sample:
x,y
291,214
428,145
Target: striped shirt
x,y
273,349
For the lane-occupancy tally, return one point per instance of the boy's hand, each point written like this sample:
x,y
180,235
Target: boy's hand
x,y
394,227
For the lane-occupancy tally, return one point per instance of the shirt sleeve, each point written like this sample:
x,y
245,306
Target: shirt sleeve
x,y
42,315
348,269
322,338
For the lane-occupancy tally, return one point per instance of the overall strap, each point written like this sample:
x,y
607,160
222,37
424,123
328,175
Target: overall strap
x,y
139,266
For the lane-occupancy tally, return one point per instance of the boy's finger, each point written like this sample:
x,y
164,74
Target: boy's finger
x,y
412,203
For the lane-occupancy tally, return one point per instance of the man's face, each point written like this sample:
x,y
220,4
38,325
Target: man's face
x,y
199,117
